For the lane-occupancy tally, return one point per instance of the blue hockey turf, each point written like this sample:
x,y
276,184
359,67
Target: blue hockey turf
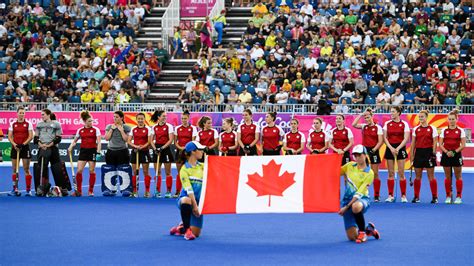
x,y
123,231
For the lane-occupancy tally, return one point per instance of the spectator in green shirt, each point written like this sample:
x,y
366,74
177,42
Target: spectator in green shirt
x,y
421,28
260,63
351,18
439,38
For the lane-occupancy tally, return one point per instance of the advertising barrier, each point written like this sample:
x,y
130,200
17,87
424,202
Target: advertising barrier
x,y
196,8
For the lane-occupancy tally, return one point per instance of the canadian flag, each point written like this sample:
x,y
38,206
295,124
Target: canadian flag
x,y
271,184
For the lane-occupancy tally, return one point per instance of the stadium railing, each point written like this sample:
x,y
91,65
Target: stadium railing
x,y
200,107
170,20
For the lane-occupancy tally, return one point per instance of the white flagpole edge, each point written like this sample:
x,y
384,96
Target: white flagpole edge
x,y
204,184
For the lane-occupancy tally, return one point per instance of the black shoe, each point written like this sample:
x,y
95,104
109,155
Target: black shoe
x,y
376,199
434,200
415,200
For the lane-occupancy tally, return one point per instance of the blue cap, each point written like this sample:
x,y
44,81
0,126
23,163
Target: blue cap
x,y
193,145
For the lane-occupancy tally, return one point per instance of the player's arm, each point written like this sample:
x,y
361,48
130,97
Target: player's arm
x,y
379,141
130,140
462,145
239,139
359,193
31,134
74,141
176,143
123,133
150,140
412,148
184,176
170,140
108,132
216,140
406,137
355,124
10,138
235,145
348,147
301,148
435,139
257,136
385,138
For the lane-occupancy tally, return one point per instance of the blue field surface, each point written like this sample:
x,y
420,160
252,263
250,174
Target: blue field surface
x,y
125,231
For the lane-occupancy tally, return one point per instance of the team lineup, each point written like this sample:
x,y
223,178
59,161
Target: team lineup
x,y
154,144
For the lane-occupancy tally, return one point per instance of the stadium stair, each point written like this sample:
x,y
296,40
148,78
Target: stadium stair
x,y
237,18
151,28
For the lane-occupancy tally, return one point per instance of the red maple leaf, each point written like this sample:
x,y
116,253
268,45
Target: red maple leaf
x,y
271,183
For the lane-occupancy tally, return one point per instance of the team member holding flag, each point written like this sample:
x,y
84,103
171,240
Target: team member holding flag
x,y
89,149
372,139
358,178
183,134
208,136
228,138
191,175
423,155
293,142
138,140
341,139
452,141
248,134
318,140
163,133
20,134
271,135
396,133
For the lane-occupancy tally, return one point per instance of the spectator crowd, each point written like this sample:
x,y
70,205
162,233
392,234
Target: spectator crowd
x,y
334,53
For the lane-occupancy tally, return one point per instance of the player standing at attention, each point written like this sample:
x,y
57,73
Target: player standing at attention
x,y
228,138
117,136
248,134
372,140
20,134
423,155
271,135
89,148
188,201
341,139
208,136
396,134
452,141
318,140
183,134
293,142
138,140
356,201
163,133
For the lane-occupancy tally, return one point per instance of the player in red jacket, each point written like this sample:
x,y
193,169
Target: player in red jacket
x,y
183,134
318,139
452,141
271,135
248,134
396,133
161,139
341,139
20,134
372,139
293,142
89,148
228,138
208,136
423,155
139,142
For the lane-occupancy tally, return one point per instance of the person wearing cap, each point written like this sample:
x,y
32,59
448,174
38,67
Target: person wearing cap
x,y
191,176
356,201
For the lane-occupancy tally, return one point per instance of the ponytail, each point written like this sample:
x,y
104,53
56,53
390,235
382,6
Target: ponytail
x,y
202,121
454,112
85,115
156,115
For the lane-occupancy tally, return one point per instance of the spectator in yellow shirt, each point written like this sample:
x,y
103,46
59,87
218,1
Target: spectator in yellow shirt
x,y
98,96
121,40
373,50
326,51
95,42
101,51
123,72
235,63
286,86
271,40
86,97
349,50
245,97
260,8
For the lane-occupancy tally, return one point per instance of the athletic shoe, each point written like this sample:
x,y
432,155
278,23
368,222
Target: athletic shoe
x,y
376,199
448,200
135,195
404,199
76,194
434,200
190,236
415,200
176,230
390,199
176,195
362,237
147,195
14,192
168,194
458,200
371,231
157,195
28,194
90,194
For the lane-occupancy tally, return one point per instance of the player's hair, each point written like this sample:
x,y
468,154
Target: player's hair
x,y
319,119
202,121
52,116
140,114
85,115
20,108
120,114
341,115
424,112
273,115
186,112
296,120
370,111
398,109
248,111
47,111
454,112
156,115
230,121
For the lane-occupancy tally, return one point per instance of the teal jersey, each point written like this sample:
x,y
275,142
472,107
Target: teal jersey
x,y
191,178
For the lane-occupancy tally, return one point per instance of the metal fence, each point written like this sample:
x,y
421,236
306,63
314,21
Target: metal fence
x,y
198,107
170,20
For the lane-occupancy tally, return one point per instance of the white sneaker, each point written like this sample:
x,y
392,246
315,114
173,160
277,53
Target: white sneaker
x,y
448,200
404,199
390,199
458,200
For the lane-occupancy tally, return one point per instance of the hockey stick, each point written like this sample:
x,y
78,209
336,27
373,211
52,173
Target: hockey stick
x,y
41,186
17,174
395,177
137,172
411,175
158,172
73,174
